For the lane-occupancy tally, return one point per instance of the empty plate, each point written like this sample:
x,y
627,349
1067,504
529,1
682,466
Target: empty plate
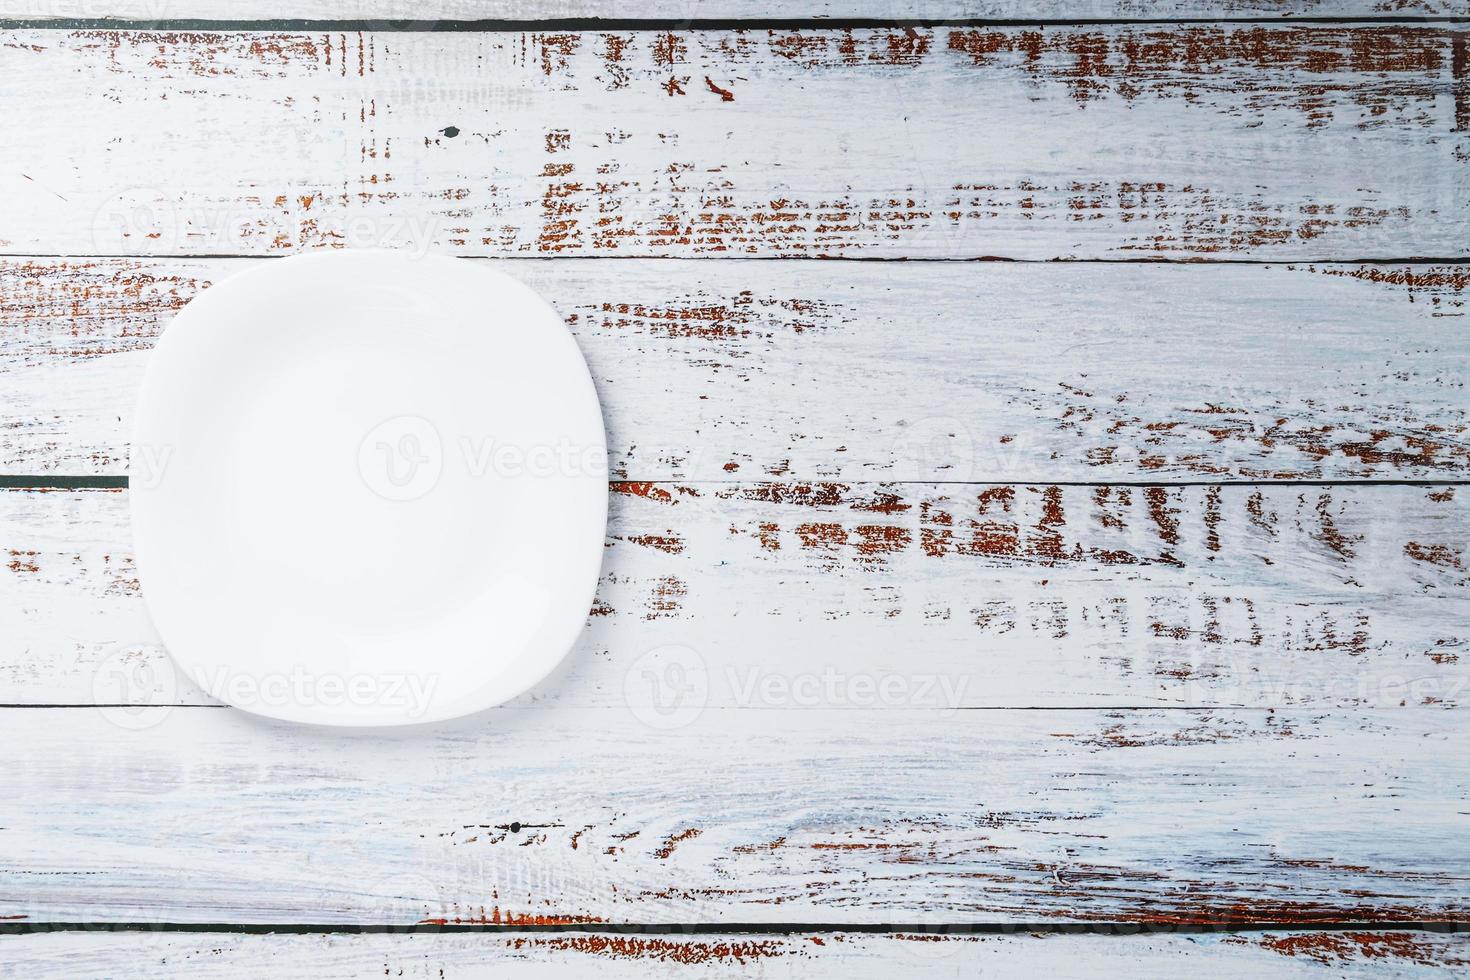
x,y
368,489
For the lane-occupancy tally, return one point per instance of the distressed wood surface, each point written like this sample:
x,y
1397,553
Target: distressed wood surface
x,y
840,816
890,371
1233,691
914,596
398,14
1099,141
1269,955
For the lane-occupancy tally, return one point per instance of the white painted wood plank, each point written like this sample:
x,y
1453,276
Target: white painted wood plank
x,y
891,371
842,816
915,596
400,13
1103,141
1268,955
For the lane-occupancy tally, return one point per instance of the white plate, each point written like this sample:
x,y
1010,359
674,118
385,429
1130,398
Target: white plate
x,y
368,489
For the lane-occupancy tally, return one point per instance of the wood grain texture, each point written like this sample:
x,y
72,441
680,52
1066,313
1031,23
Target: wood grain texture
x,y
1105,141
916,596
1269,955
889,371
841,816
398,14
667,785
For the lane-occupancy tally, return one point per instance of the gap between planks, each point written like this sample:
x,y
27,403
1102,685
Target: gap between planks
x,y
1199,260
61,481
745,928
388,25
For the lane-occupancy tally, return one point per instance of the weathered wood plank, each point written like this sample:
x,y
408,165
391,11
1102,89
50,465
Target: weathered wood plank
x,y
1101,141
801,595
843,816
891,371
1268,955
423,13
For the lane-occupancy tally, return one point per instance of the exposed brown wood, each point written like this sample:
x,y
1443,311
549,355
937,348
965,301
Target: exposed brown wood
x,y
890,371
1115,141
784,595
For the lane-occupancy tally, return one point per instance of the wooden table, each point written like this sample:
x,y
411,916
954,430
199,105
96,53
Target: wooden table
x,y
1109,615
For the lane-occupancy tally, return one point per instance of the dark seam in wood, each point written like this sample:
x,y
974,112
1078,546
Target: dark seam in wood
x,y
1121,929
85,482
389,25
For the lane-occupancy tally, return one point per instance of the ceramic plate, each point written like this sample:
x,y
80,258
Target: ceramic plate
x,y
368,489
